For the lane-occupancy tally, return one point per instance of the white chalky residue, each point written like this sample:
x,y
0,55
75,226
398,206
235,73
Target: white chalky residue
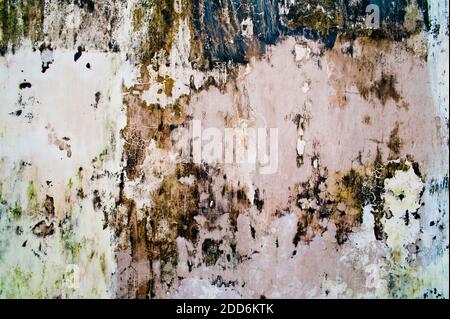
x,y
302,52
300,147
402,197
247,28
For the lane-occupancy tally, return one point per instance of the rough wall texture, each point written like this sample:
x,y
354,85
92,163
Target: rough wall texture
x,y
350,201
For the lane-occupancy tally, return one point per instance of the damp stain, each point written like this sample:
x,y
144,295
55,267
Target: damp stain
x,y
395,143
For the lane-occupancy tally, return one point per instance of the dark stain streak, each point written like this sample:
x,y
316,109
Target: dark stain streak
x,y
252,232
257,200
395,143
97,99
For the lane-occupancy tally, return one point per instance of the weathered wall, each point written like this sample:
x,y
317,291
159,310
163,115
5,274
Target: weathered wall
x,y
95,203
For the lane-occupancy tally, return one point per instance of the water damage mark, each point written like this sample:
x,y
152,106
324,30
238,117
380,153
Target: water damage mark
x,y
216,40
157,19
18,20
383,89
353,191
158,209
44,229
61,143
395,143
347,72
191,192
146,123
221,31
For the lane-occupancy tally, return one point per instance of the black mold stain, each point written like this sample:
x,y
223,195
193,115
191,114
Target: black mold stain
x,y
433,293
16,113
45,65
437,186
19,230
49,206
96,200
423,5
113,46
385,89
220,282
86,4
356,189
218,25
20,19
310,216
258,201
80,193
78,53
176,205
211,251
395,143
159,17
24,85
97,99
253,231
42,229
